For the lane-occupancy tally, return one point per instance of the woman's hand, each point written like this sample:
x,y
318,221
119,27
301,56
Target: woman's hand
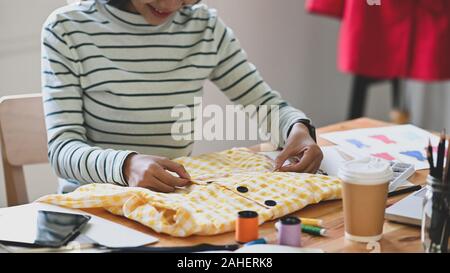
x,y
150,172
300,147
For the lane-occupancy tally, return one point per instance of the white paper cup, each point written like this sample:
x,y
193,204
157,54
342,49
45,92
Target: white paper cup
x,y
365,185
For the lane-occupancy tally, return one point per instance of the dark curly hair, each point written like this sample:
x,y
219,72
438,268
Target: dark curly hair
x,y
116,3
123,2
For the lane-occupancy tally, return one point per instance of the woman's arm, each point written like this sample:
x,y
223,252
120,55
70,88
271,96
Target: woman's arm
x,y
242,84
69,154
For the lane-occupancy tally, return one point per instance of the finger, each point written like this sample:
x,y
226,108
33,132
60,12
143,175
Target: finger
x,y
282,157
295,159
300,167
155,184
314,166
305,161
170,180
175,167
310,168
295,168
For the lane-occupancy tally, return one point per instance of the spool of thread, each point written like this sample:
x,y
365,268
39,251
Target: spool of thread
x,y
314,230
289,231
312,222
247,226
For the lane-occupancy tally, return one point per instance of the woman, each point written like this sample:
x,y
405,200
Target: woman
x,y
112,72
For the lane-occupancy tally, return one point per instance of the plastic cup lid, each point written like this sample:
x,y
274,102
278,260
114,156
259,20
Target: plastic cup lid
x,y
366,171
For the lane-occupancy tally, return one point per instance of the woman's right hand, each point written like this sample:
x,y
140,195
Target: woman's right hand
x,y
151,172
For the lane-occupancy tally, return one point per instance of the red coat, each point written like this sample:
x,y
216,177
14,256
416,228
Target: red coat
x,y
399,38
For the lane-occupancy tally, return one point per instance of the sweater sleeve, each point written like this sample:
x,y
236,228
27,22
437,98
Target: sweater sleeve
x,y
69,153
241,82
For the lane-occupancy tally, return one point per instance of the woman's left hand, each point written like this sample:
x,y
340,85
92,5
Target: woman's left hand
x,y
304,151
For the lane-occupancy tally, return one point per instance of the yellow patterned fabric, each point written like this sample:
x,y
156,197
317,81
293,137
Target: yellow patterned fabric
x,y
224,183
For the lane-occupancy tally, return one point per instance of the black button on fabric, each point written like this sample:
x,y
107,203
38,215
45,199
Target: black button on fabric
x,y
242,189
270,203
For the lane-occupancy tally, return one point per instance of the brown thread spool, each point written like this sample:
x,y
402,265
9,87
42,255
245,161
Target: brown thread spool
x,y
247,226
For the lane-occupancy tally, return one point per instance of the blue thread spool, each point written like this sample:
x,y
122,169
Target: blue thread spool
x,y
260,241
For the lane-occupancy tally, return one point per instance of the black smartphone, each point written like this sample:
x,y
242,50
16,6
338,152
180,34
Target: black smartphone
x,y
53,229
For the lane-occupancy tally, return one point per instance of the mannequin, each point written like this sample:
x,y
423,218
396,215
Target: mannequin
x,y
391,41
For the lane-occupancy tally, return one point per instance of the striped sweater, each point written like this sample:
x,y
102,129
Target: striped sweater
x,y
110,80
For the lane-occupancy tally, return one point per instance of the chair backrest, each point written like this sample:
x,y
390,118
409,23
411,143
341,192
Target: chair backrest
x,y
23,141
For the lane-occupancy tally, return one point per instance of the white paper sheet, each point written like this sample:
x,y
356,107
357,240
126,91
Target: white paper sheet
x,y
268,248
403,143
333,158
100,230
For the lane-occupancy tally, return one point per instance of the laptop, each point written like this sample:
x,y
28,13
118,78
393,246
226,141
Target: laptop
x,y
408,210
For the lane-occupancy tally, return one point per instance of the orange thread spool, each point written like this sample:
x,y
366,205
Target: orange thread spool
x,y
247,226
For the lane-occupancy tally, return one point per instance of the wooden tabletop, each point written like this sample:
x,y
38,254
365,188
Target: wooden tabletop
x,y
396,238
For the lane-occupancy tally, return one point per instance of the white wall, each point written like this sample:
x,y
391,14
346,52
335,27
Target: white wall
x,y
20,23
429,104
295,52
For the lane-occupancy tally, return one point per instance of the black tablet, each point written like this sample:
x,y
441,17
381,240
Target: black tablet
x,y
51,229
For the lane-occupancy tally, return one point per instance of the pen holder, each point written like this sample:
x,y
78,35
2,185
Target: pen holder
x,y
436,217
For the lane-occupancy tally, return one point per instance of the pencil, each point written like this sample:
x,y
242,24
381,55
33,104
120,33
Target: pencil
x,y
404,190
314,230
431,159
312,222
441,156
447,169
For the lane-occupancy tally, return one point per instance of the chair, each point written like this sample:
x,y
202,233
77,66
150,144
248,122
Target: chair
x,y
23,141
